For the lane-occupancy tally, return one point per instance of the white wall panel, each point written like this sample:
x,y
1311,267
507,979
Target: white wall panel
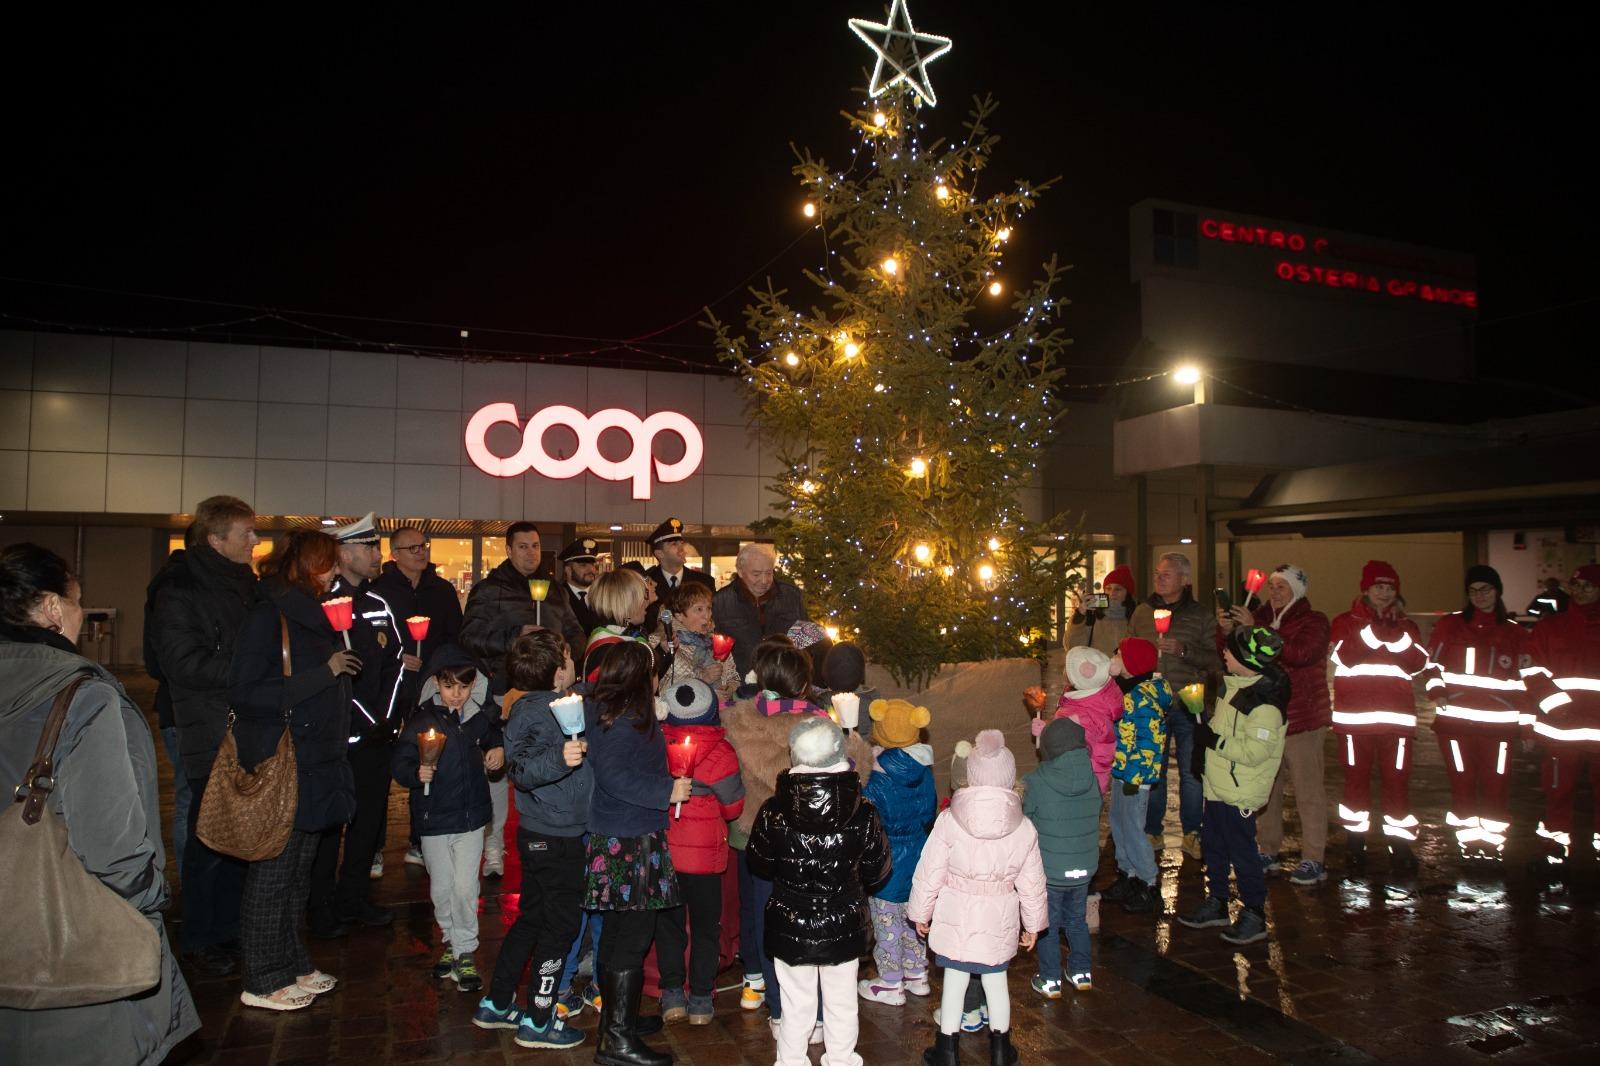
x,y
203,477
292,431
144,484
429,383
490,498
610,501
15,412
66,362
427,491
428,436
483,383
364,434
16,359
356,488
730,450
364,379
549,385
291,486
66,481
223,371
141,367
14,480
616,388
549,500
294,375
146,425
219,428
733,500
68,422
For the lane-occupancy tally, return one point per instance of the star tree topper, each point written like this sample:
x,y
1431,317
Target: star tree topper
x,y
898,48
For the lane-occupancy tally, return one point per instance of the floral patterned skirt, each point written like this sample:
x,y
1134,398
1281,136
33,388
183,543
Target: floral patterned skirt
x,y
630,874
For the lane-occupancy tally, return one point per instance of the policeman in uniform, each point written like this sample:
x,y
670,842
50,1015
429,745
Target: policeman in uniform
x,y
670,549
375,717
578,562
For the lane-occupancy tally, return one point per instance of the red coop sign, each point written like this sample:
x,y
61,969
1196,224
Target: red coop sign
x,y
636,466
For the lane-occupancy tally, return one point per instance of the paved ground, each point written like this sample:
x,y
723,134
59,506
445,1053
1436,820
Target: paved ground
x,y
1455,966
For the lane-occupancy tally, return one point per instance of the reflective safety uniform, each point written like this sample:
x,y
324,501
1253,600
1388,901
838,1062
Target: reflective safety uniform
x,y
1374,659
1476,682
1563,682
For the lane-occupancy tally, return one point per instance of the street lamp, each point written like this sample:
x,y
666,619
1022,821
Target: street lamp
x,y
1191,374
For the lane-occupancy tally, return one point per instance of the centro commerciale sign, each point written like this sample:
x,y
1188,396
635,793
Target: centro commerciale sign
x,y
635,466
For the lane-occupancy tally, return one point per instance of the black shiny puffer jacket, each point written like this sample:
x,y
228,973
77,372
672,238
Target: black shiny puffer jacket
x,y
823,847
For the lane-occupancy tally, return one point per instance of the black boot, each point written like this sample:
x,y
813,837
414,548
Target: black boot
x,y
1001,1053
1142,899
1402,860
620,992
1118,890
1355,852
946,1051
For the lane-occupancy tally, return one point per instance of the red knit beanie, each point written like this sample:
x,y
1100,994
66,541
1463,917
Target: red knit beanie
x,y
1589,572
1377,570
1120,575
1138,656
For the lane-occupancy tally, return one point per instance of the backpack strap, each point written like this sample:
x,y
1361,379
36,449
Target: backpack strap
x,y
40,779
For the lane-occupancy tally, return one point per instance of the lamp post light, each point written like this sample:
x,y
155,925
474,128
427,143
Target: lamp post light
x,y
1190,374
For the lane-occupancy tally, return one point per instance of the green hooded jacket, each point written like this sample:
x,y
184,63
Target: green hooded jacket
x,y
1063,800
1249,727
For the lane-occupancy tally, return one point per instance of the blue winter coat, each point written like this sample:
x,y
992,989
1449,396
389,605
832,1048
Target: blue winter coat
x,y
1139,758
901,787
458,798
1062,798
552,797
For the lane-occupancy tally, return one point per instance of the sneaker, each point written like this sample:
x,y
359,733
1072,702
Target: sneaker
x,y
754,993
674,1007
1213,912
1046,988
890,992
1309,873
1118,890
488,1016
414,857
494,866
1141,900
1247,929
1083,982
1158,842
591,996
701,1011
376,873
972,1021
1191,846
445,966
1270,863
569,1004
917,984
555,1034
465,974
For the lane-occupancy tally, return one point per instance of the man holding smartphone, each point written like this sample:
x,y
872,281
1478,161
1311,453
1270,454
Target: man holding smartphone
x,y
1188,656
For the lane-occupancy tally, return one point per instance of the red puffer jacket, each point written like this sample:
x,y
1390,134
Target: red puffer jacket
x,y
1477,677
1564,680
699,836
1304,659
1375,656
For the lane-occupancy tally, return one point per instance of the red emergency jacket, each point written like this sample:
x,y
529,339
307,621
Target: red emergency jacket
x,y
1477,675
1563,680
1375,656
698,836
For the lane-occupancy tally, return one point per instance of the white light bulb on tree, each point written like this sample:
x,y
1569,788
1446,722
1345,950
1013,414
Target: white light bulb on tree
x,y
791,359
994,544
995,288
809,210
851,349
919,467
922,553
891,266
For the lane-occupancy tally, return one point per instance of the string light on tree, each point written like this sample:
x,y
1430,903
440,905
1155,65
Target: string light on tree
x,y
809,210
995,288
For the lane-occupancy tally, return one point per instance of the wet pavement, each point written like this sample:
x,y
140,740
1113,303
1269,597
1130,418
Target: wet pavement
x,y
1460,964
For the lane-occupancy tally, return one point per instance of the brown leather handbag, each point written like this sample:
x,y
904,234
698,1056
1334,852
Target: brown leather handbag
x,y
69,940
249,814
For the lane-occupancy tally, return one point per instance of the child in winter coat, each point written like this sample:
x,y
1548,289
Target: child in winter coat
x,y
1093,700
552,782
697,836
1062,800
450,801
823,849
980,888
690,604
1136,764
901,787
1243,745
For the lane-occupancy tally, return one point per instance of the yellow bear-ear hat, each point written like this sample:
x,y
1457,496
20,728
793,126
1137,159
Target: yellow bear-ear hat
x,y
897,723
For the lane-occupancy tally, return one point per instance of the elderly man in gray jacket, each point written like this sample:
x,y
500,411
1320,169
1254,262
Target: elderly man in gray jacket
x,y
755,604
1188,656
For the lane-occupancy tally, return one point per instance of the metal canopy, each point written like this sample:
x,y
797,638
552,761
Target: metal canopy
x,y
1553,482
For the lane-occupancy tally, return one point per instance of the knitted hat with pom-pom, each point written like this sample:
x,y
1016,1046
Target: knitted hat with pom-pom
x,y
990,762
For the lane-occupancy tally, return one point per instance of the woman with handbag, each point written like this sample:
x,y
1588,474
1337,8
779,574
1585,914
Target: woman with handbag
x,y
290,667
110,989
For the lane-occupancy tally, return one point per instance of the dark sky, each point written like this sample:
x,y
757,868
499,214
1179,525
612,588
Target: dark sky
x,y
608,171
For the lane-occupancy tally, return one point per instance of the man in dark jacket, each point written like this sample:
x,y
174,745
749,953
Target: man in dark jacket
x,y
376,638
1188,657
411,586
196,621
755,604
505,587
164,719
670,550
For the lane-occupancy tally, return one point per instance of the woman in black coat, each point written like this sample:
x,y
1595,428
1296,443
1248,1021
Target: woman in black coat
x,y
312,690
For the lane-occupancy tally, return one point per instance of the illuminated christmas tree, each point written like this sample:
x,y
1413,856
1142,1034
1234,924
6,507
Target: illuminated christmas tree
x,y
916,420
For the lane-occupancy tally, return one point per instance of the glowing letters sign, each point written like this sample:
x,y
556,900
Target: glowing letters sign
x,y
635,466
1284,240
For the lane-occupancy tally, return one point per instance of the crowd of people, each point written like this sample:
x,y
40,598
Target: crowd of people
x,y
663,741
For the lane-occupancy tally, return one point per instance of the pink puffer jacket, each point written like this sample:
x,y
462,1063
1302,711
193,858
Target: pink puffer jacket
x,y
1097,712
980,881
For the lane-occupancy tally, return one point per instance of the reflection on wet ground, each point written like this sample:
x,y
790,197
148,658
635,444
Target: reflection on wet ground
x,y
1469,964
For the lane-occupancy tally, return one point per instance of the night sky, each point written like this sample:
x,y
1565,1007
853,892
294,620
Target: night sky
x,y
606,172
